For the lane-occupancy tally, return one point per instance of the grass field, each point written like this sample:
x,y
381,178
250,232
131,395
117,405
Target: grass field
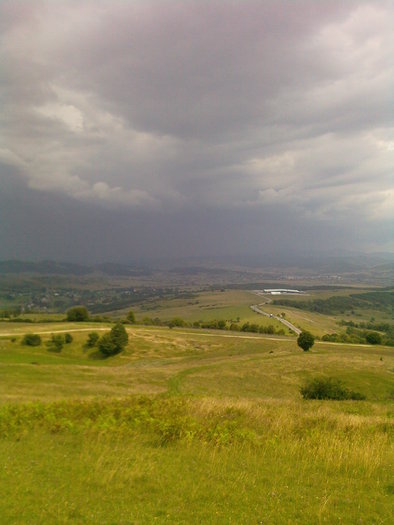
x,y
229,305
192,427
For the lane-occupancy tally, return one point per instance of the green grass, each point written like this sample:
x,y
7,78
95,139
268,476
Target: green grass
x,y
328,323
194,461
191,427
229,305
211,363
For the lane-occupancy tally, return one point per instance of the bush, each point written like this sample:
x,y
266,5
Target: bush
x,y
176,322
56,342
93,337
305,341
113,342
373,338
31,340
267,329
77,314
328,388
332,338
131,317
119,336
106,345
68,338
250,327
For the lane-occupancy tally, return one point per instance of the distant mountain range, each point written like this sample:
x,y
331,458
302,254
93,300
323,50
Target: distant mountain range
x,y
380,262
64,268
322,264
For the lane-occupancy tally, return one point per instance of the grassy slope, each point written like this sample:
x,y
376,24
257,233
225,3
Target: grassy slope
x,y
242,447
228,305
197,362
320,324
233,304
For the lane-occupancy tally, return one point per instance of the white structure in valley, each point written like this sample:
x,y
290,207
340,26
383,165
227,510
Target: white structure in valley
x,y
278,291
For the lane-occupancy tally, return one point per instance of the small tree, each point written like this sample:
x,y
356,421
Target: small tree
x,y
119,337
131,317
106,345
115,341
68,338
31,340
77,314
93,337
305,341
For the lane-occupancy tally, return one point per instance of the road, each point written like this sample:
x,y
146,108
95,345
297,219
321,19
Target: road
x,y
256,309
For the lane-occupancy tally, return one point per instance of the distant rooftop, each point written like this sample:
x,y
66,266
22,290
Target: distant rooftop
x,y
278,291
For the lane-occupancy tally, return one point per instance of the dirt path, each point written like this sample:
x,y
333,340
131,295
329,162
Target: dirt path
x,y
56,331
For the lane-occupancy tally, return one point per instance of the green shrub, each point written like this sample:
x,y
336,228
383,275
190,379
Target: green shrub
x,y
77,314
328,388
373,338
92,340
250,327
56,342
68,338
31,340
270,329
305,340
176,322
131,317
119,336
113,342
106,345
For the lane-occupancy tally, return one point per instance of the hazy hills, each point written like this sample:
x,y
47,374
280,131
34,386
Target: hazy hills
x,y
375,265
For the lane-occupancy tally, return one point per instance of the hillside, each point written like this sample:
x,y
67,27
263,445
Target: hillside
x,y
191,416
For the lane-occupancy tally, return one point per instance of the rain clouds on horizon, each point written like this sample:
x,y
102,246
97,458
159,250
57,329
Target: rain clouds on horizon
x,y
177,128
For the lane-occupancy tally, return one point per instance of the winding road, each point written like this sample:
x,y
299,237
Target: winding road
x,y
255,308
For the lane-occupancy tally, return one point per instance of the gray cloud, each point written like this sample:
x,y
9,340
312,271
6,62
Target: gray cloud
x,y
184,111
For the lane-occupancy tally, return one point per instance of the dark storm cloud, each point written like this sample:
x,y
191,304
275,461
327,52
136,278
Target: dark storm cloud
x,y
202,116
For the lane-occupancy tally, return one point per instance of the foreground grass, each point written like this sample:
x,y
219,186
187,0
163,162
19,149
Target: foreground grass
x,y
182,460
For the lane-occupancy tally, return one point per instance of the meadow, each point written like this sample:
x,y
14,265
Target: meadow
x,y
233,305
191,426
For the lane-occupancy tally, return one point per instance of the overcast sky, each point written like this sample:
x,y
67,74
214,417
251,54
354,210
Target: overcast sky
x,y
148,128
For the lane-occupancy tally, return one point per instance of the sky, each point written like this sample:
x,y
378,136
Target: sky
x,y
160,128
